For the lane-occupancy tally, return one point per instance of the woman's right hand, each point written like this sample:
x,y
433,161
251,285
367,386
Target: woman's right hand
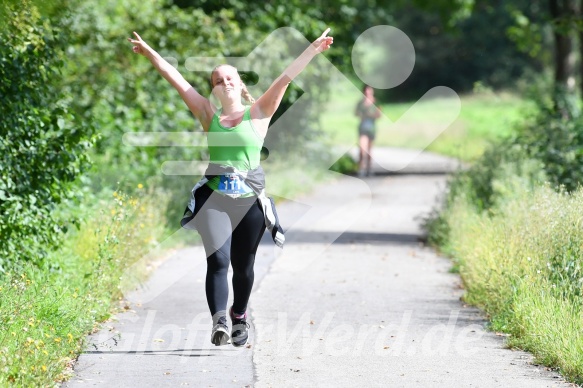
x,y
140,47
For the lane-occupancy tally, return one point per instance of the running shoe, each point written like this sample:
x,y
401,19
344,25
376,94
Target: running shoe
x,y
240,332
220,333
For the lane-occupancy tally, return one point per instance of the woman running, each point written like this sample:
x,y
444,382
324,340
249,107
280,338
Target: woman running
x,y
228,205
368,114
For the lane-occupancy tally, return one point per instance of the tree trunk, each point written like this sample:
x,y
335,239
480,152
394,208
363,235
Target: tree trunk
x,y
563,12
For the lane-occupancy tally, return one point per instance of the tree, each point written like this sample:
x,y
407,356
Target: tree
x,y
42,145
555,22
458,49
562,13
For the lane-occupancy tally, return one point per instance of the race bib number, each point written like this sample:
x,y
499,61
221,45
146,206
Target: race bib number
x,y
230,184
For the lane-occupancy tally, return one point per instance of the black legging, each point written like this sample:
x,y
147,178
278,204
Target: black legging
x,y
216,217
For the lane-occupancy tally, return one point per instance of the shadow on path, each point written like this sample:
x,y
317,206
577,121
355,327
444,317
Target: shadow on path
x,y
162,352
317,237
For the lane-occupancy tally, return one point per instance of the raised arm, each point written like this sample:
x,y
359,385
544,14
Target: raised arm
x,y
267,104
198,105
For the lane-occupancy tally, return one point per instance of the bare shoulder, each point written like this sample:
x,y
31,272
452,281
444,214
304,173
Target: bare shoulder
x,y
206,115
259,120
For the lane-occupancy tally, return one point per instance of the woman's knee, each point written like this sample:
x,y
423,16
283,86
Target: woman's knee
x,y
243,265
218,260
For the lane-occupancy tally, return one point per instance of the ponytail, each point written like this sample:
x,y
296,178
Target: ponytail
x,y
246,95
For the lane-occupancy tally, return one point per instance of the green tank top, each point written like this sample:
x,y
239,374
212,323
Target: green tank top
x,y
238,146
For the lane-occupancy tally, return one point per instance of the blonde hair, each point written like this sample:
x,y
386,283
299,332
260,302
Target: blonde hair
x,y
246,95
244,92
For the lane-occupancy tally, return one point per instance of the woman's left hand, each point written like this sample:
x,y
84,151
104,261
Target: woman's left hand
x,y
140,47
323,42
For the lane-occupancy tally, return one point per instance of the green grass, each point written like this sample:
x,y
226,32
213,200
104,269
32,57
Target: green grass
x,y
484,117
46,313
522,262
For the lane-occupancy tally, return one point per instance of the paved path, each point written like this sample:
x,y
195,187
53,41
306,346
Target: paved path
x,y
353,300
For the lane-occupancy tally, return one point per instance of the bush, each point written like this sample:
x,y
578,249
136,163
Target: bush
x,y
554,135
42,146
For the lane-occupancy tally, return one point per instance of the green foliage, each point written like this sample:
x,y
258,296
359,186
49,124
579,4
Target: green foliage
x,y
502,170
466,51
347,19
554,135
450,11
481,181
547,146
527,30
42,143
345,165
41,7
565,270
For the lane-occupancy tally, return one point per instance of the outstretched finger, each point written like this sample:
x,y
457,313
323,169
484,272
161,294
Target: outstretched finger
x,y
137,36
325,33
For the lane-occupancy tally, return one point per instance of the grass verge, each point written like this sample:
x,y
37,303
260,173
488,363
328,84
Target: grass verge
x,y
522,262
45,313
